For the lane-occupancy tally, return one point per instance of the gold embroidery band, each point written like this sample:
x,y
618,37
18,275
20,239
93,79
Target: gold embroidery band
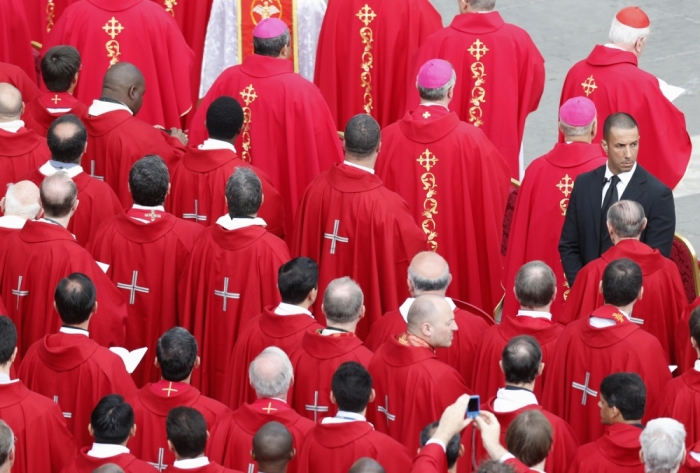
x,y
478,50
113,28
170,6
366,16
50,14
428,160
248,95
566,186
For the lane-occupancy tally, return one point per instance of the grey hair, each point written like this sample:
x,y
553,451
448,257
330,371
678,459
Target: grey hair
x,y
7,441
482,5
342,301
663,445
271,373
623,34
535,284
243,193
58,194
433,95
14,206
626,218
568,130
422,284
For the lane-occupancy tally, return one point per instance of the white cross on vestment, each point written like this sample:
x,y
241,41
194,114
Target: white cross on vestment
x,y
67,415
196,215
225,294
160,466
92,172
18,292
133,288
385,410
334,238
586,390
315,408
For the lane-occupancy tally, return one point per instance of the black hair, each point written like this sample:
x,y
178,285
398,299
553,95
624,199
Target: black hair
x,y
352,387
112,420
224,118
296,278
452,450
362,136
67,149
521,359
621,120
75,298
622,281
176,351
59,66
8,339
627,392
187,431
148,181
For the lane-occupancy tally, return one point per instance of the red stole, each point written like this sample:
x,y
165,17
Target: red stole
x,y
141,214
611,313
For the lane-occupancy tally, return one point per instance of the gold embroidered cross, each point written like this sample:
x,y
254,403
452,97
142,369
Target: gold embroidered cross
x,y
366,15
478,49
113,27
426,115
249,95
427,160
566,185
269,408
56,99
169,4
169,389
589,86
153,215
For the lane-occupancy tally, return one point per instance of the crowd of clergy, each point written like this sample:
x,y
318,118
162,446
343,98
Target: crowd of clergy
x,y
294,240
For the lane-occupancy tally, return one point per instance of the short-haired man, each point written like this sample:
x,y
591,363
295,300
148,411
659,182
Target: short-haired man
x,y
283,326
664,296
273,448
323,351
605,342
622,402
21,203
663,447
271,376
176,356
353,226
454,449
338,441
217,300
69,367
530,439
43,442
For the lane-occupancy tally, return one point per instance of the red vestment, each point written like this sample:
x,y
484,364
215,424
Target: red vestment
x,y
15,44
679,400
279,103
37,117
16,76
336,446
584,355
151,405
539,215
266,330
198,183
315,363
43,443
659,309
126,461
615,452
232,437
456,185
685,353
500,77
20,153
430,459
359,58
611,79
33,261
135,31
42,15
405,377
76,373
488,376
353,226
234,270
210,468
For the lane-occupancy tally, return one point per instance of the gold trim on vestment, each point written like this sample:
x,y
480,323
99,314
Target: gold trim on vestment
x,y
428,160
248,94
476,114
694,261
366,15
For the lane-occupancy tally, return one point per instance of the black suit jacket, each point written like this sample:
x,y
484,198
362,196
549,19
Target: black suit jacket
x,y
580,237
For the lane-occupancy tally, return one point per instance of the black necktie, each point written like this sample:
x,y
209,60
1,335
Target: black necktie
x,y
611,197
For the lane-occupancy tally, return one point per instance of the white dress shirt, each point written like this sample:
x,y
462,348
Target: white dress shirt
x,y
191,463
106,450
291,309
48,170
12,127
343,417
364,168
509,400
211,143
74,331
534,314
100,107
12,221
625,178
236,223
599,322
5,379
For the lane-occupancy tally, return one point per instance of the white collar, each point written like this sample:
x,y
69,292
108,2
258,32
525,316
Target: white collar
x,y
74,331
235,223
364,168
433,104
191,463
12,221
344,416
58,110
100,107
12,127
612,46
291,309
534,314
48,170
5,379
106,450
509,400
409,302
329,331
695,455
211,143
697,365
599,322
625,177
144,207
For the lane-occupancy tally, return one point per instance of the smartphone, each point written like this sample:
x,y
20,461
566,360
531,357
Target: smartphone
x,y
473,407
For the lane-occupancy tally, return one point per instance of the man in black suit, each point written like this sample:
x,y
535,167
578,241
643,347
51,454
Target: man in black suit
x,y
584,236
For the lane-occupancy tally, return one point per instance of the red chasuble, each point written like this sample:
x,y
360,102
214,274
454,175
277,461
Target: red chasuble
x,y
151,405
43,443
680,400
315,363
336,446
16,76
145,263
277,103
266,330
405,377
20,153
37,117
42,15
611,79
232,437
76,373
661,305
363,47
135,31
539,215
33,261
456,185
685,353
500,77
615,452
98,202
230,276
353,226
117,140
15,44
584,355
126,461
430,459
488,376
198,183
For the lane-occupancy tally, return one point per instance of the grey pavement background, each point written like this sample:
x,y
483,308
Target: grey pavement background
x,y
565,31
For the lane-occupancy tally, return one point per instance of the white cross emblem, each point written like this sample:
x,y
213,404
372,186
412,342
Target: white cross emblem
x,y
67,415
133,288
92,172
334,238
18,292
385,410
315,408
586,390
196,215
225,294
160,466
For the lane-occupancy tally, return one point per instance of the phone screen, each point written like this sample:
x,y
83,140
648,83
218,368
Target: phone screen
x,y
473,407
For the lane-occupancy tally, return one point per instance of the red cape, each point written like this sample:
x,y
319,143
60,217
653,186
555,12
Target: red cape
x,y
380,235
15,44
616,451
463,189
200,178
42,17
315,362
395,33
18,77
20,153
243,262
539,215
488,376
158,252
266,330
146,36
680,400
79,372
506,82
230,441
126,461
335,447
663,300
685,353
41,254
36,116
43,443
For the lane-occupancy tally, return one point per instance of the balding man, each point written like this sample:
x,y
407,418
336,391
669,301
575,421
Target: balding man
x,y
108,468
413,387
21,203
21,149
117,138
7,448
273,448
367,465
271,375
34,259
429,273
660,309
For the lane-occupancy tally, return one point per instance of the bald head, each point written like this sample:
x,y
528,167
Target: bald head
x,y
428,273
22,200
125,83
367,465
58,195
10,102
272,445
271,373
431,318
626,219
108,468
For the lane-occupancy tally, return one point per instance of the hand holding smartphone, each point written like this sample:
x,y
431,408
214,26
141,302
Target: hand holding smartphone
x,y
474,407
